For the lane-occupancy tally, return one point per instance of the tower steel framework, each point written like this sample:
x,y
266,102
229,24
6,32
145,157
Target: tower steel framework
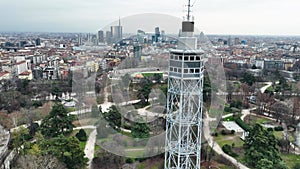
x,y
184,110
184,102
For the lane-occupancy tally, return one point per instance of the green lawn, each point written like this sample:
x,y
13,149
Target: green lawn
x,y
278,135
291,159
230,118
82,145
229,139
135,153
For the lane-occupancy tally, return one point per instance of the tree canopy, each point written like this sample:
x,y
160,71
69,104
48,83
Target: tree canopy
x,y
113,117
140,130
57,122
261,149
248,78
65,149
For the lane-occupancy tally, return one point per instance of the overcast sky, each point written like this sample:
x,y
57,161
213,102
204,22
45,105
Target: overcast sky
x,y
263,17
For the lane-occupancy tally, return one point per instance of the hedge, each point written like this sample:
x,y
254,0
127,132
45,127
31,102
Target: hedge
x,y
242,124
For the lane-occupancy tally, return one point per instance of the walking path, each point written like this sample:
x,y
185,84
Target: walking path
x,y
210,139
216,147
89,149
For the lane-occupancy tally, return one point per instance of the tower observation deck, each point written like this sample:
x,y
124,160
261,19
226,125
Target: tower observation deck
x,y
184,103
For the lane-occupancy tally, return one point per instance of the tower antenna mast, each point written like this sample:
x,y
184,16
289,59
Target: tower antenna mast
x,y
189,11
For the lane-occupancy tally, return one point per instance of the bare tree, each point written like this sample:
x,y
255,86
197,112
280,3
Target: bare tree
x,y
280,111
38,162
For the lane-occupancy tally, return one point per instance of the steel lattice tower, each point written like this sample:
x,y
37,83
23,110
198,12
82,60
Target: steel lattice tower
x,y
184,103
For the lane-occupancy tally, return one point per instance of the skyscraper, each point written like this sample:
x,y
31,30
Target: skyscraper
x,y
116,32
100,36
108,37
157,34
38,42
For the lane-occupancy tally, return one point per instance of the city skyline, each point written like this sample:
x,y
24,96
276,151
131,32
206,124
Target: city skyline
x,y
242,17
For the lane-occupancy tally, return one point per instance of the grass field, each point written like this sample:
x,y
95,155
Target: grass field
x,y
291,159
135,153
229,139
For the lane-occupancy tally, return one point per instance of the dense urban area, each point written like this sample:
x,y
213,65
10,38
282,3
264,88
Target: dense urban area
x,y
84,100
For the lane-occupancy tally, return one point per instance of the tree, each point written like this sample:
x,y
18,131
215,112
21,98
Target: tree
x,y
18,138
113,117
157,77
248,78
57,122
38,161
264,164
106,160
261,148
56,91
66,150
144,91
33,128
140,130
281,111
81,135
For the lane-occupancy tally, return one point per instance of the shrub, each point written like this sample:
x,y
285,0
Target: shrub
x,y
242,124
227,109
129,160
278,128
232,131
228,150
223,132
81,135
37,104
216,134
270,129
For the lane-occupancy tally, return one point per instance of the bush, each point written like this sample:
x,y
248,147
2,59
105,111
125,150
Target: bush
x,y
270,129
81,135
227,109
228,150
129,160
232,131
278,128
242,124
37,104
223,132
216,134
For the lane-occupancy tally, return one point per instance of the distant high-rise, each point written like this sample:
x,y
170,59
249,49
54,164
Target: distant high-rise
x,y
229,42
141,36
38,42
157,34
79,39
108,37
237,41
137,52
163,35
116,32
100,36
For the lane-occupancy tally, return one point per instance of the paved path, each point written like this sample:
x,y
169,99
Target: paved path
x,y
89,149
216,147
264,88
246,112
